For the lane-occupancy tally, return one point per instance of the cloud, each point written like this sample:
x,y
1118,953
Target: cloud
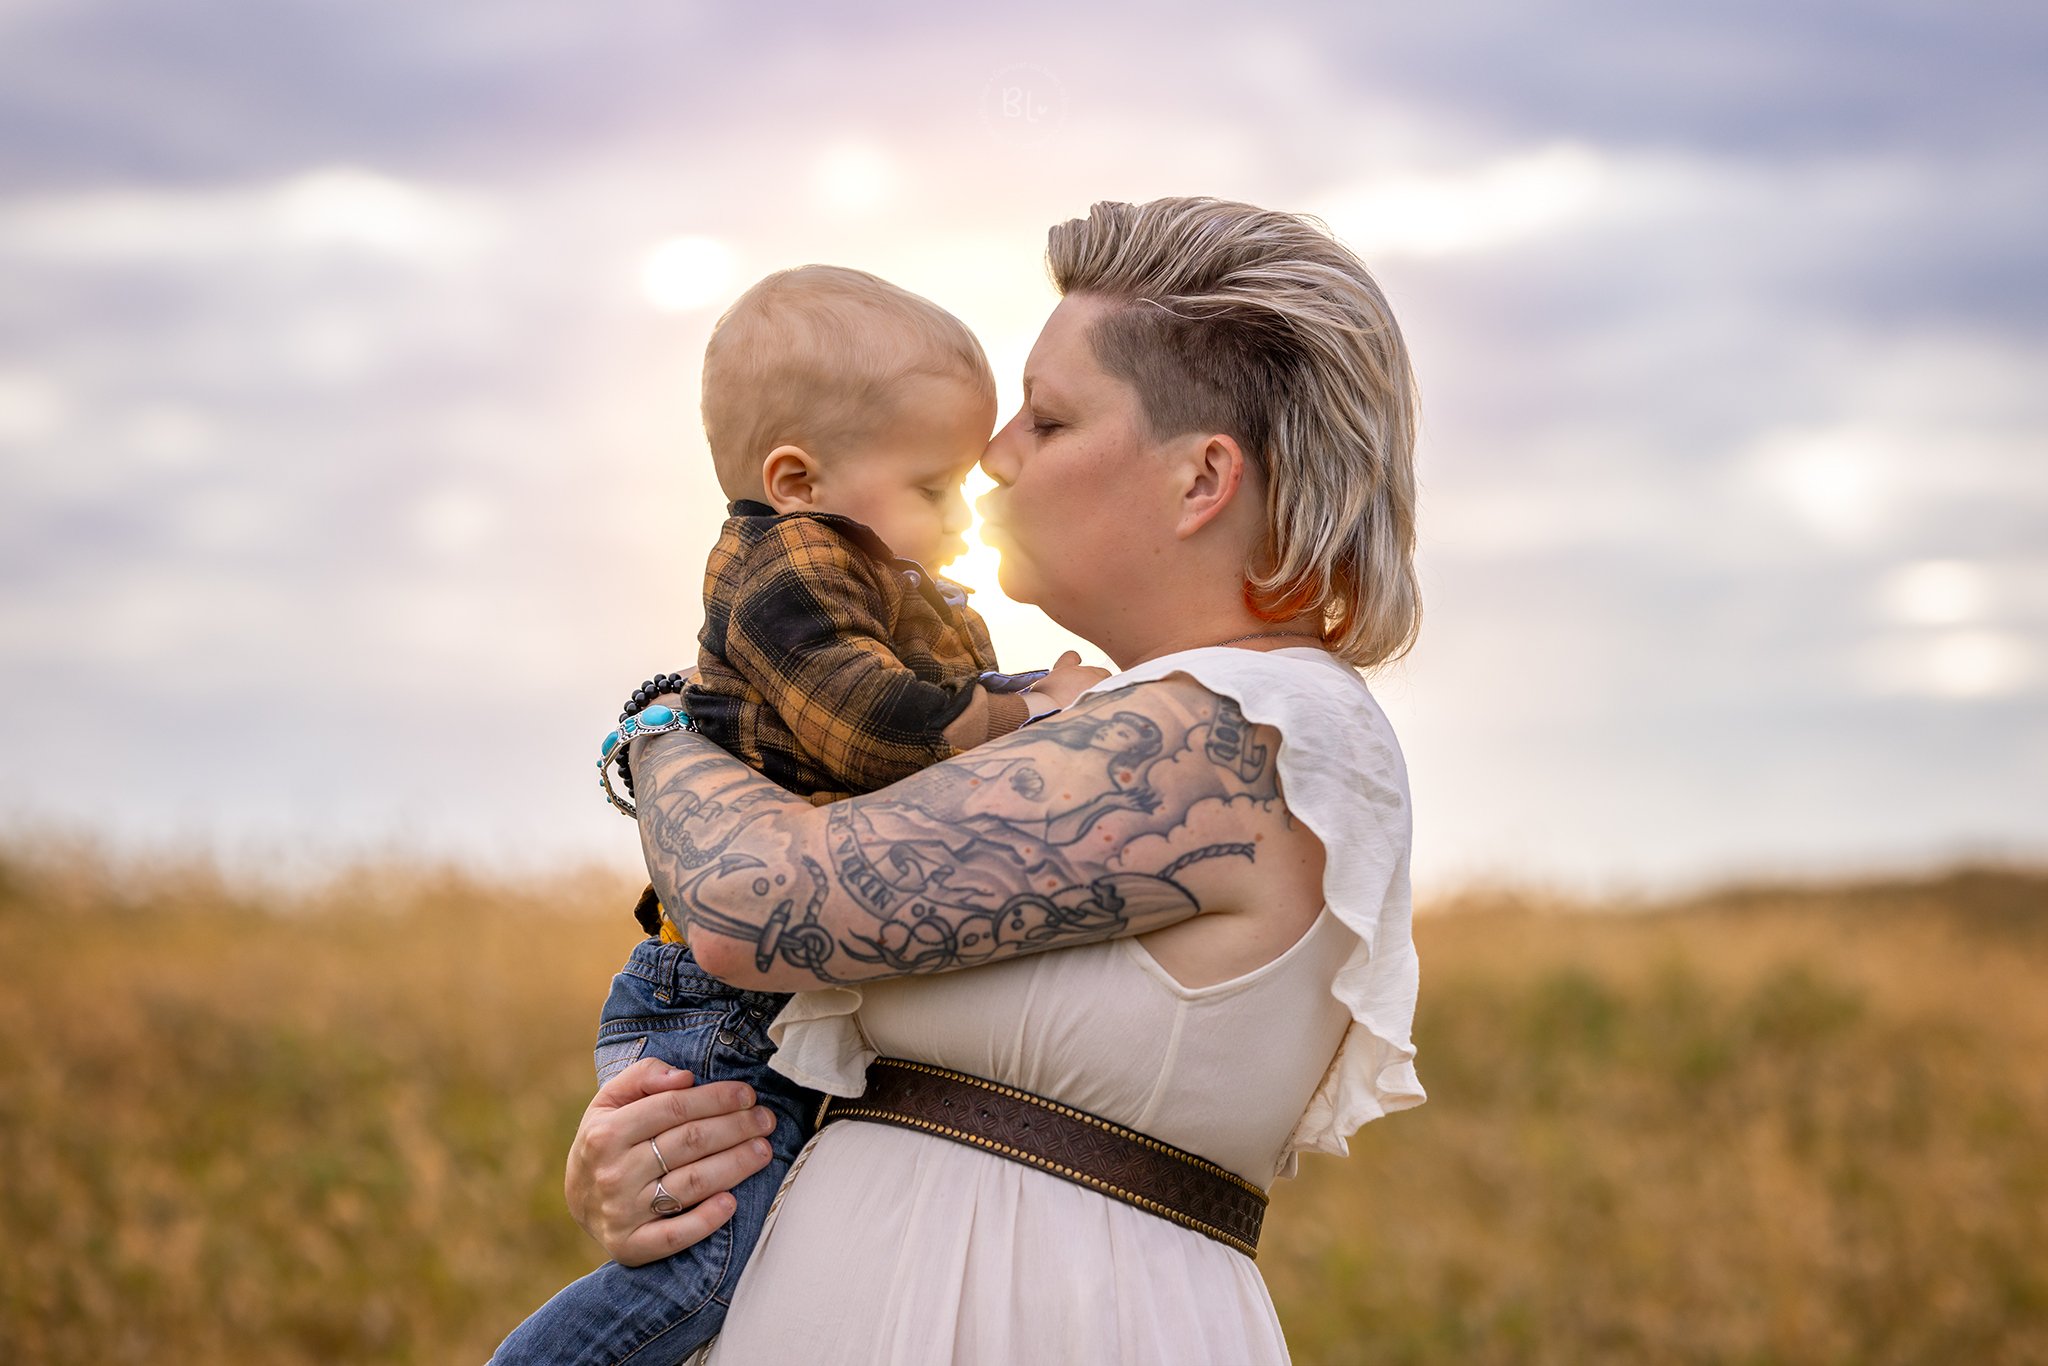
x,y
686,273
1957,665
1430,215
855,179
1857,482
32,407
1938,592
332,209
331,381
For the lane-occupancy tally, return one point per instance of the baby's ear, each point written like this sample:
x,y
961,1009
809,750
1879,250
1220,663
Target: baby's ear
x,y
789,476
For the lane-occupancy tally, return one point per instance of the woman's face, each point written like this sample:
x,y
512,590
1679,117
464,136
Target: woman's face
x,y
1082,509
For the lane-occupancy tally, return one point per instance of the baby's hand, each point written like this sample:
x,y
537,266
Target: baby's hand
x,y
1068,680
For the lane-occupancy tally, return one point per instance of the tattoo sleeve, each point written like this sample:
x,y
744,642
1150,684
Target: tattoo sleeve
x,y
1080,828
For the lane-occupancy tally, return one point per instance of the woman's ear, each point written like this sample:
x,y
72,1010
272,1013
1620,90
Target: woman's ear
x,y
790,477
1214,473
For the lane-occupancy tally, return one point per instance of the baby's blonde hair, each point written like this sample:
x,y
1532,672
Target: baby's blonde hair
x,y
815,357
1260,326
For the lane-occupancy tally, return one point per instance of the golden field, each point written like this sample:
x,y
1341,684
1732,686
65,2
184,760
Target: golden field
x,y
1762,1127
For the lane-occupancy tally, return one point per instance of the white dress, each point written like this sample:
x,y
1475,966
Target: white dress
x,y
892,1246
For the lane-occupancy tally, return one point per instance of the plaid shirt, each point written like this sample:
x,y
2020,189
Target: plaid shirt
x,y
826,663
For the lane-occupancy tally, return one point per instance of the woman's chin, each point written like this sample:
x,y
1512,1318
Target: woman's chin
x,y
1016,585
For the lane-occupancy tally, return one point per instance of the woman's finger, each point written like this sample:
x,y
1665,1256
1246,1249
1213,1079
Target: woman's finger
x,y
1067,660
687,1143
647,1077
654,1115
666,1237
713,1170
703,1187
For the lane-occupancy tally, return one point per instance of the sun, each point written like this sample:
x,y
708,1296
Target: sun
x,y
976,567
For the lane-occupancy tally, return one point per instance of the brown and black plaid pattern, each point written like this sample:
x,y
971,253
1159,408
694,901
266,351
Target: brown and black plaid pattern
x,y
825,663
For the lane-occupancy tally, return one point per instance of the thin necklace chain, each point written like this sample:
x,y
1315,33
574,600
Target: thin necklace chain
x,y
1263,635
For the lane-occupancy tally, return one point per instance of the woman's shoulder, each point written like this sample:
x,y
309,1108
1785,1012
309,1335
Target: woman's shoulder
x,y
1339,759
1308,695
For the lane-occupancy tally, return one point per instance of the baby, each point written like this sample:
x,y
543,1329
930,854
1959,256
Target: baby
x,y
843,414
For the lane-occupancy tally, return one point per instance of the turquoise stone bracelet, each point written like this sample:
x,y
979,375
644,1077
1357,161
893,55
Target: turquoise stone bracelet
x,y
651,720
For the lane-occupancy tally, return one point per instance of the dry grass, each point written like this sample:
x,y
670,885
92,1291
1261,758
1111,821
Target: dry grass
x,y
230,1135
1768,1127
1774,1127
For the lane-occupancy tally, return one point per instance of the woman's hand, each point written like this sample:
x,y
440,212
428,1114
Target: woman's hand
x,y
712,1137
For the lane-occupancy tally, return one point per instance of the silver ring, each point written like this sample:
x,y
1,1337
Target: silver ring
x,y
663,1203
658,1157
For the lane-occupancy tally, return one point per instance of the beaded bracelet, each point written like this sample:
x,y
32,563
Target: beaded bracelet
x,y
651,689
642,716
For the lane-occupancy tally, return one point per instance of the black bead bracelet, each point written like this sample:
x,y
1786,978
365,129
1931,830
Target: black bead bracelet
x,y
651,689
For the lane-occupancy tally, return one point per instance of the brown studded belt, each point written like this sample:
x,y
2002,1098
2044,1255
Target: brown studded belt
x,y
1121,1163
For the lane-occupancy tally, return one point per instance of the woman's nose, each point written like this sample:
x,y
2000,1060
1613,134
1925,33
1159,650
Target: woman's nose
x,y
1004,455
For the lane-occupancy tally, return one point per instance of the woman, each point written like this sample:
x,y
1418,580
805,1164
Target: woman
x,y
1211,479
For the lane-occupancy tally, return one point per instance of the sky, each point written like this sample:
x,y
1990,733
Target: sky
x,y
350,469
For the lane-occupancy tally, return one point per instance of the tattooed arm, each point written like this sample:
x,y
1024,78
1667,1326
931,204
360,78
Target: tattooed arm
x,y
1128,813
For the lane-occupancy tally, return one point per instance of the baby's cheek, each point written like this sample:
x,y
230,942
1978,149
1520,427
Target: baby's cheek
x,y
904,526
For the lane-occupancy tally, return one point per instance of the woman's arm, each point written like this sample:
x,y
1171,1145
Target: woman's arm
x,y
1130,812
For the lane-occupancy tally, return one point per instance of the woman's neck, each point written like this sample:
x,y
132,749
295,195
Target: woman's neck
x,y
1250,633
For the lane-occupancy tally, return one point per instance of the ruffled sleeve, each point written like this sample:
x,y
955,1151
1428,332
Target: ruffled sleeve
x,y
818,1042
1344,777
1373,1073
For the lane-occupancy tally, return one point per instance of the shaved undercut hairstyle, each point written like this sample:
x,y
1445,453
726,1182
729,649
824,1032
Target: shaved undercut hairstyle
x,y
1260,326
816,357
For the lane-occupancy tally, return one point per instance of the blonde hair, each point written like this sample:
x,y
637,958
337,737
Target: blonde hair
x,y
814,357
1260,326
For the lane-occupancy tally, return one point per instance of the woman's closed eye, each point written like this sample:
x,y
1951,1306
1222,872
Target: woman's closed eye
x,y
1040,423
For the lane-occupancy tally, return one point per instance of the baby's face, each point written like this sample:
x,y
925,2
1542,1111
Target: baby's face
x,y
904,481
